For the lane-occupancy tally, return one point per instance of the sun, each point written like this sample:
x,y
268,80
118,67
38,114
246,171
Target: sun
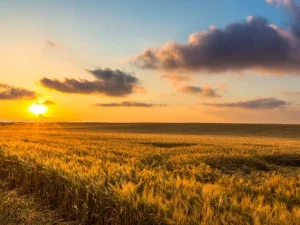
x,y
38,109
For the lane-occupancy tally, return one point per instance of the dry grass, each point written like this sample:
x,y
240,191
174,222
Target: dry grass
x,y
93,176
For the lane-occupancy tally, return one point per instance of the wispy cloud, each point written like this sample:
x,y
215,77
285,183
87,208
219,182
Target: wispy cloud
x,y
129,104
8,92
223,87
52,43
108,82
291,92
176,78
260,103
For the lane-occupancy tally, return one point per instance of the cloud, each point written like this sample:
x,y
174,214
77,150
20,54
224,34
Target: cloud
x,y
140,90
222,86
194,90
291,92
280,2
15,93
251,44
52,43
170,95
49,102
129,104
191,89
108,82
293,11
44,102
176,78
260,103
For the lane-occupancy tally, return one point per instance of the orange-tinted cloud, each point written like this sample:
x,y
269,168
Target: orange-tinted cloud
x,y
291,92
49,102
223,86
176,78
129,104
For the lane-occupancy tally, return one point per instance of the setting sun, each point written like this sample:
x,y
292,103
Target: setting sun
x,y
38,109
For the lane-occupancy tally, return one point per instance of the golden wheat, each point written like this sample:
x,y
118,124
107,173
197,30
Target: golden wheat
x,y
95,177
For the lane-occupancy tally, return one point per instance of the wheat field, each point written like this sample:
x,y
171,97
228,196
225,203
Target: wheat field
x,y
149,174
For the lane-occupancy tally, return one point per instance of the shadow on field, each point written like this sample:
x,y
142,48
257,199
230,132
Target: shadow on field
x,y
167,144
292,160
237,164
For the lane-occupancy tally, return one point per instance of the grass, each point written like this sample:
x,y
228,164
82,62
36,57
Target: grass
x,y
118,174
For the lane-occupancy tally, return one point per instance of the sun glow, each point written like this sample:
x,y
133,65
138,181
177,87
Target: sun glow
x,y
38,109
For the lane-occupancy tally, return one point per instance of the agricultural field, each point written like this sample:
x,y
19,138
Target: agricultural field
x,y
77,173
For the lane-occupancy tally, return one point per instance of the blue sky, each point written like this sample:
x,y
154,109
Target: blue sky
x,y
129,23
106,34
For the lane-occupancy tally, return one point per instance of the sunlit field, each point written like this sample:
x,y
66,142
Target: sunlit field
x,y
149,174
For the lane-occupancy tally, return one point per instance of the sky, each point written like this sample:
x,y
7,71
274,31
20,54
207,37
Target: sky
x,y
150,61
